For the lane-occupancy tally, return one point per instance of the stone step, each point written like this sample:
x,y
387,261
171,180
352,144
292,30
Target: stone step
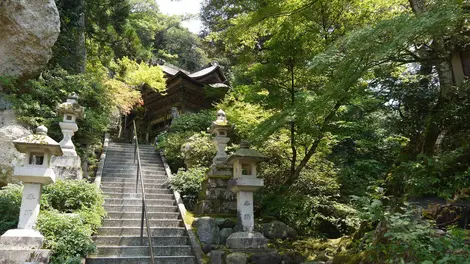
x,y
131,201
128,189
134,174
133,169
173,250
131,163
147,160
135,240
138,215
138,195
138,208
132,182
154,231
164,190
130,155
114,180
142,260
153,185
137,222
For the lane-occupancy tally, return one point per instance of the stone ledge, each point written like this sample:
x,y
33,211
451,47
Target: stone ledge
x,y
15,256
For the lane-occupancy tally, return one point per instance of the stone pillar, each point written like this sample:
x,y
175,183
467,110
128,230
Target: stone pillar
x,y
245,211
69,166
24,244
29,210
215,197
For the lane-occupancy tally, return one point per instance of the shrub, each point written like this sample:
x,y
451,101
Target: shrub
x,y
401,236
67,235
189,183
310,205
198,151
75,196
194,122
10,202
170,144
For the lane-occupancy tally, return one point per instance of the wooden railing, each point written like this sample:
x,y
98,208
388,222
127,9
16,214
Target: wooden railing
x,y
144,204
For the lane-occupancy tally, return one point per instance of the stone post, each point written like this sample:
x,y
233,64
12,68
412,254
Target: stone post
x,y
69,165
245,182
215,197
24,243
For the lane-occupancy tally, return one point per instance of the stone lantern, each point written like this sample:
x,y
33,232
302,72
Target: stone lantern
x,y
220,128
69,166
245,182
36,171
70,110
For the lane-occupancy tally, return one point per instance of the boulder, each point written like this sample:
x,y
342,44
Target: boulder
x,y
29,29
208,231
236,258
278,230
292,258
9,156
217,256
224,234
266,258
225,223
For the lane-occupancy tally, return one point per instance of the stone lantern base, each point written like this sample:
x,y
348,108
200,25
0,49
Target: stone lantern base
x,y
67,167
215,196
23,246
247,240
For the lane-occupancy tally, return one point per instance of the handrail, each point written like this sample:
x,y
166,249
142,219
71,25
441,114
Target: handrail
x,y
144,204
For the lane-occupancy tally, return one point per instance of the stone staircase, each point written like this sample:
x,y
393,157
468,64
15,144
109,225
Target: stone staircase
x,y
118,240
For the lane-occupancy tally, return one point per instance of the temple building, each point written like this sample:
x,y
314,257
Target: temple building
x,y
186,93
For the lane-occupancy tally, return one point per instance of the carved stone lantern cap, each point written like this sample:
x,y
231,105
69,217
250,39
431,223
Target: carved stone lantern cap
x,y
38,140
71,106
221,123
246,154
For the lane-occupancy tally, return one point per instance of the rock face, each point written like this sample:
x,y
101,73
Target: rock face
x,y
236,258
9,156
208,231
29,29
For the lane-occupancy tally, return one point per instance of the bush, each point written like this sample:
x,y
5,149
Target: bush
x,y
401,236
170,144
67,235
198,151
10,202
75,196
310,205
189,183
193,122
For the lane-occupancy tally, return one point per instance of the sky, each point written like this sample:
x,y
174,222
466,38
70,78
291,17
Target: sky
x,y
182,7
